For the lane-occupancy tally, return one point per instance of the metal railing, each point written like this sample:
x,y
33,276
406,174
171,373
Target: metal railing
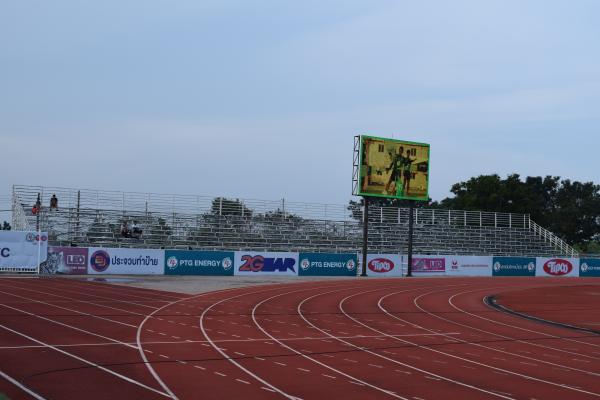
x,y
79,209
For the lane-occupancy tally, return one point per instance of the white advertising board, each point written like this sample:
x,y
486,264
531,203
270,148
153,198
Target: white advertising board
x,y
22,251
468,265
556,266
125,261
255,263
384,265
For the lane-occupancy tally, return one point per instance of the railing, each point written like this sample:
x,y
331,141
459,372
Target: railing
x,y
77,208
554,240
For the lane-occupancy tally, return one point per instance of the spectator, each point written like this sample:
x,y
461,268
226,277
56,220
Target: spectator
x,y
136,230
37,206
54,201
125,232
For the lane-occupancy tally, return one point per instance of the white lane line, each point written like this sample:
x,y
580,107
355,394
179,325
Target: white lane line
x,y
163,356
299,311
328,376
375,366
21,386
83,360
239,354
303,369
267,386
242,381
219,373
280,363
139,340
113,341
199,367
71,310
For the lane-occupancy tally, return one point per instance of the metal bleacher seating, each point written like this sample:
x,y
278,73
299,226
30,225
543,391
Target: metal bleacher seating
x,y
93,218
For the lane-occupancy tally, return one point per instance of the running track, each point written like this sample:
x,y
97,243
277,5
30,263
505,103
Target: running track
x,y
417,339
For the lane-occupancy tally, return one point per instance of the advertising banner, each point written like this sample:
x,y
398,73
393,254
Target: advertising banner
x,y
513,266
384,265
22,251
328,264
265,263
589,267
66,260
468,265
393,168
557,266
183,262
125,261
425,265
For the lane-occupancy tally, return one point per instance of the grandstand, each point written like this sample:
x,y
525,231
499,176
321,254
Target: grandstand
x,y
93,218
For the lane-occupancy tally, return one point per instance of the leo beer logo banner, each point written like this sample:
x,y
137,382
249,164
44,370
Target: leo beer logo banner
x,y
66,260
557,266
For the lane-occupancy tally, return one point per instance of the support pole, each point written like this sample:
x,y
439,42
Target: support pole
x,y
365,235
411,211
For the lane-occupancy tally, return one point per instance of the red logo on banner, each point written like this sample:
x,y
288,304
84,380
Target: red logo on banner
x,y
558,267
381,265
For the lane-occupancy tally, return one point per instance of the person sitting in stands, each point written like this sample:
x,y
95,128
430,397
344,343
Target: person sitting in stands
x,y
125,232
136,230
54,201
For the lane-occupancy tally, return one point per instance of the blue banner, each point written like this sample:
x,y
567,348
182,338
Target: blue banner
x,y
328,264
513,266
589,267
183,262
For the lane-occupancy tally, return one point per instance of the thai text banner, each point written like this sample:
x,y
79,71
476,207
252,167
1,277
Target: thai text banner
x,y
513,266
125,261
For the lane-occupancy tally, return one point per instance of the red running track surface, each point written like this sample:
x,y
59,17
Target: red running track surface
x,y
417,339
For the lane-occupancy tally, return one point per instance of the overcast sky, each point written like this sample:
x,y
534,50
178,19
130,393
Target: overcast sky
x,y
262,99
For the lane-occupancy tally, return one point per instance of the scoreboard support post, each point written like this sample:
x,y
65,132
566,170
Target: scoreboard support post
x,y
365,235
411,214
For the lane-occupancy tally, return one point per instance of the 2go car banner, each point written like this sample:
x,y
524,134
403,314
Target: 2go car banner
x,y
265,263
125,261
557,266
328,264
22,251
183,262
384,265
468,266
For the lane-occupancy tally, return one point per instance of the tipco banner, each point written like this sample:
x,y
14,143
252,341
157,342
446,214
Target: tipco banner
x,y
22,251
198,262
328,264
513,266
468,265
428,265
125,261
589,267
384,265
265,263
557,266
66,260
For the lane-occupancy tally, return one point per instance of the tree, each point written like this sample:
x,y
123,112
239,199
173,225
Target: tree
x,y
227,207
569,209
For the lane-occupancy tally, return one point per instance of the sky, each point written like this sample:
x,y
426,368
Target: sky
x,y
262,99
